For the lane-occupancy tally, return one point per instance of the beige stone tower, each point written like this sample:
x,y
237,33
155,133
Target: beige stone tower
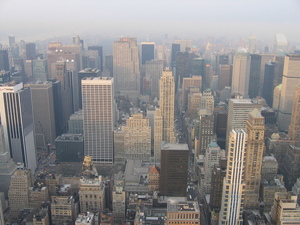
x,y
294,128
255,129
18,194
164,117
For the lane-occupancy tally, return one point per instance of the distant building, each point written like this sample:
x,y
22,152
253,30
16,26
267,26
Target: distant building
x,y
126,67
280,44
153,179
241,74
254,75
75,123
147,51
154,70
268,83
30,51
174,169
187,82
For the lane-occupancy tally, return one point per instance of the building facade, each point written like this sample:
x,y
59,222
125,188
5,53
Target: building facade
x,y
98,118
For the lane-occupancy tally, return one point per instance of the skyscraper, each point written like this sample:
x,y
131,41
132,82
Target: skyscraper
x,y
98,118
268,84
291,78
254,75
280,44
147,51
4,61
30,51
166,105
254,156
241,73
126,67
175,49
154,70
233,185
294,128
174,169
17,121
99,49
43,113
206,127
238,110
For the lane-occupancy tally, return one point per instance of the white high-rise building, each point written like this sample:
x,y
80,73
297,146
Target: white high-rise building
x,y
241,73
238,113
126,67
98,118
233,185
17,121
290,79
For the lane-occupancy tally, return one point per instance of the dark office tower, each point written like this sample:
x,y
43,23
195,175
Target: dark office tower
x,y
43,113
99,49
225,76
278,75
57,107
11,41
206,127
69,148
4,62
65,77
254,75
88,72
217,177
17,121
268,85
199,68
174,169
147,51
291,166
175,49
30,51
109,65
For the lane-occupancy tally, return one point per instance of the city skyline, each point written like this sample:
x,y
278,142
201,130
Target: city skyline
x,y
32,21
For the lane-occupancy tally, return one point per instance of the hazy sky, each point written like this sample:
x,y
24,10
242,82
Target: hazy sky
x,y
41,19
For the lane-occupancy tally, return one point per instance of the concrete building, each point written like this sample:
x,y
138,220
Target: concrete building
x,y
17,122
285,209
42,216
98,118
87,218
238,113
188,82
64,210
37,195
291,166
43,113
294,128
291,78
206,130
137,138
207,100
255,128
269,168
280,44
147,51
126,67
18,191
241,74
154,70
233,186
268,190
212,157
164,117
75,123
119,199
174,169
225,75
91,193
153,179
182,212
7,165
69,148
